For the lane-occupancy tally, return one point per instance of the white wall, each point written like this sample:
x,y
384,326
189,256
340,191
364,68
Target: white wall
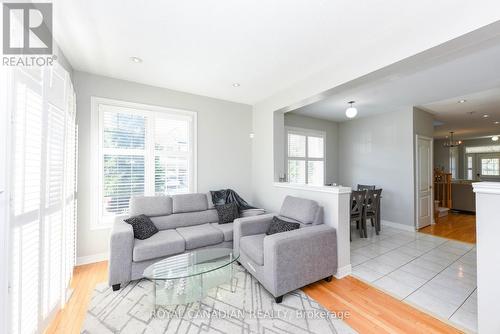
x,y
224,146
331,141
379,150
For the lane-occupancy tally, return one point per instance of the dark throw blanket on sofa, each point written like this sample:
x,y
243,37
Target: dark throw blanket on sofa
x,y
225,196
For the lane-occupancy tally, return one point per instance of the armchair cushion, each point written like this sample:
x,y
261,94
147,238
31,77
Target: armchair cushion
x,y
278,225
253,247
301,209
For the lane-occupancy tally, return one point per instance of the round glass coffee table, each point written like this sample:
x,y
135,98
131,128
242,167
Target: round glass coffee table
x,y
186,278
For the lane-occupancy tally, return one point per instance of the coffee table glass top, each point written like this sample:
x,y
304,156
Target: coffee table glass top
x,y
190,264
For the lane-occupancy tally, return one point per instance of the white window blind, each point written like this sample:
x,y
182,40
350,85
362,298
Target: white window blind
x,y
305,156
142,150
42,216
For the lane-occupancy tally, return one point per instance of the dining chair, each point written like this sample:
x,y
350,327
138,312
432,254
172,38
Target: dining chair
x,y
357,211
372,209
365,187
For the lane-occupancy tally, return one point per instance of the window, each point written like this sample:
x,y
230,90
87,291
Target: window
x,y
470,168
142,150
483,149
453,162
490,166
305,156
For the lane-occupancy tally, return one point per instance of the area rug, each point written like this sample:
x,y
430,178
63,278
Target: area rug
x,y
249,309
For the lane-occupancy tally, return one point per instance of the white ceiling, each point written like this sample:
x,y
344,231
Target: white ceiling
x,y
203,47
459,75
457,117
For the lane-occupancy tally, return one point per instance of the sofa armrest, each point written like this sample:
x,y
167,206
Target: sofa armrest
x,y
250,226
121,246
296,258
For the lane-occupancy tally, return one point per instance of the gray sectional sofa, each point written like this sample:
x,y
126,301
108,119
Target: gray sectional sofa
x,y
186,222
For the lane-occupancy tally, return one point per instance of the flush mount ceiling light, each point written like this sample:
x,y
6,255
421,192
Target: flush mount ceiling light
x,y
351,112
462,101
236,84
136,60
494,138
486,116
452,143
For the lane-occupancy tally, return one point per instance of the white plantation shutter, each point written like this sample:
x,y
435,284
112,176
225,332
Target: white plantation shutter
x,y
28,118
42,220
141,151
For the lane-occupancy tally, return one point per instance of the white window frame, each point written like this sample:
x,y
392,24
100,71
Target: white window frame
x,y
96,162
480,164
307,133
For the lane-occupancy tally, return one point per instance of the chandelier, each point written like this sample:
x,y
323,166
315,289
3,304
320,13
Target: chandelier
x,y
452,143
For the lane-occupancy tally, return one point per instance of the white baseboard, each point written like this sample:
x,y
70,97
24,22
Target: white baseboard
x,y
343,271
91,258
408,228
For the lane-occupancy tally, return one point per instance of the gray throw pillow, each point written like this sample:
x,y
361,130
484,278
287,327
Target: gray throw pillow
x,y
227,212
143,226
278,225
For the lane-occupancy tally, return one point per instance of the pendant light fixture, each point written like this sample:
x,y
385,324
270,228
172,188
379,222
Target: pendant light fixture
x,y
452,143
351,112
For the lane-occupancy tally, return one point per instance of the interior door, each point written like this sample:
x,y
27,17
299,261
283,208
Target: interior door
x,y
424,182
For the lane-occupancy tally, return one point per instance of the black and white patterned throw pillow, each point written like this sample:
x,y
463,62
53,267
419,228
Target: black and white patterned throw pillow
x,y
143,226
227,212
278,225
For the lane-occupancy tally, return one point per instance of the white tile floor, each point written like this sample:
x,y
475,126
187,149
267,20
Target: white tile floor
x,y
435,274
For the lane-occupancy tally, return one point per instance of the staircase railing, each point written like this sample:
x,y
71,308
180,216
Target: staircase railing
x,y
442,188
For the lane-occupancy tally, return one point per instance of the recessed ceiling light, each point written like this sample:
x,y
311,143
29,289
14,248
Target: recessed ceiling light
x,y
486,116
494,138
236,84
136,59
496,122
462,101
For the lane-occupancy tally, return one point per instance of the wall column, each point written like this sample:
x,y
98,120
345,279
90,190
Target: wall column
x,y
488,255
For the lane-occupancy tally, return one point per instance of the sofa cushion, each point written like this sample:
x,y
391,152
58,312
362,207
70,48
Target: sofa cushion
x,y
200,235
189,203
163,243
226,229
150,206
227,212
185,219
210,201
253,247
301,209
142,226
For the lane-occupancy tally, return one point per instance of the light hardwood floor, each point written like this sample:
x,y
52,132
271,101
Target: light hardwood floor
x,y
70,319
456,226
371,311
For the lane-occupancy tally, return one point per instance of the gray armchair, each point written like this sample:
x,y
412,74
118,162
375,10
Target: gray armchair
x,y
286,261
